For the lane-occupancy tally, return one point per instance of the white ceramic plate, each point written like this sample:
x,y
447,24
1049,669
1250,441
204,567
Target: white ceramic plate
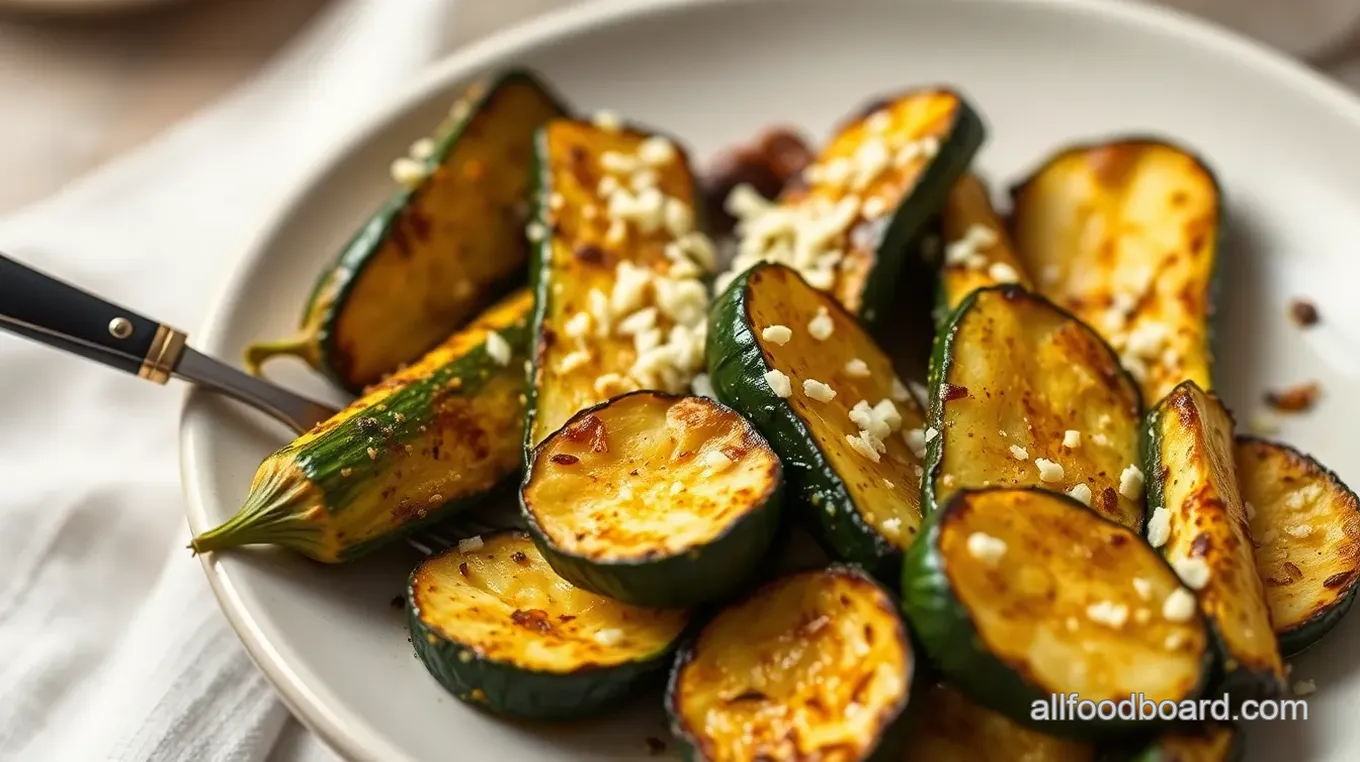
x,y
1043,72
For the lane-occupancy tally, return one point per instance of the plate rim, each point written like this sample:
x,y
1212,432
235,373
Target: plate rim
x,y
345,732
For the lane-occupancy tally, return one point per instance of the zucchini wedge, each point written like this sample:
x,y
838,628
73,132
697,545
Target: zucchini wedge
x,y
1125,234
978,251
814,665
498,629
620,303
1024,394
1211,742
1197,520
439,250
424,444
654,499
1021,594
947,726
849,226
846,457
1306,526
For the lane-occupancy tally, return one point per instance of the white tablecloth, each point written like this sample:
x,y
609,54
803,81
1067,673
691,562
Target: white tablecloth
x,y
111,646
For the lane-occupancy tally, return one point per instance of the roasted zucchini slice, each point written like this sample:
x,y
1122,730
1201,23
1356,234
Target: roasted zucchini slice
x,y
946,726
978,252
1020,595
789,358
1306,526
1024,394
1198,521
1125,234
497,628
438,251
1211,742
814,665
427,442
620,300
848,227
654,499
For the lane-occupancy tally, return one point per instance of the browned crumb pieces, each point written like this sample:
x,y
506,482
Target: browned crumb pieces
x,y
398,602
1295,399
655,746
1304,313
770,162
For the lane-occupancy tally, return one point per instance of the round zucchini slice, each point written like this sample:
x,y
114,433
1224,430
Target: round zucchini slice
x,y
801,368
1022,594
814,665
498,629
1023,394
655,499
1305,524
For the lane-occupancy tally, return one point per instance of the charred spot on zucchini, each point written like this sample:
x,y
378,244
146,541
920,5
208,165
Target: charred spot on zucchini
x,y
654,499
1024,394
977,248
1199,522
438,251
789,358
947,726
1305,523
620,300
1210,742
814,665
422,445
848,227
498,628
1125,234
1021,594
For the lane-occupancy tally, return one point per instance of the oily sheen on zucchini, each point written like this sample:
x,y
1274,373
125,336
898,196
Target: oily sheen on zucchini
x,y
1125,234
654,499
1306,526
1020,594
773,342
848,227
814,665
620,303
978,251
497,628
1199,523
439,250
946,726
430,440
1024,394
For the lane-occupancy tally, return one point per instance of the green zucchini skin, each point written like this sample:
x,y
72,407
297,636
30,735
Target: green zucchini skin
x,y
891,732
712,571
947,631
505,688
736,367
914,216
392,228
1295,637
1231,676
427,443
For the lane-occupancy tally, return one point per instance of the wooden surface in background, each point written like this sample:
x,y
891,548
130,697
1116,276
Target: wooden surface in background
x,y
76,90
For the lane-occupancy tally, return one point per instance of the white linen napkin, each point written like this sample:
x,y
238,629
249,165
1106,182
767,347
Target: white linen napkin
x,y
111,646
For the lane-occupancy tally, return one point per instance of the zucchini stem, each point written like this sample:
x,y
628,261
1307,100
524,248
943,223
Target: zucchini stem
x,y
302,345
281,509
